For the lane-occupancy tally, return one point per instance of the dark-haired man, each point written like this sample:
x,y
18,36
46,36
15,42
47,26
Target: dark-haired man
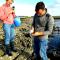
x,y
42,26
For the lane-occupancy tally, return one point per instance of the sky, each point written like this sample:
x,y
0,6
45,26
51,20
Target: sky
x,y
27,7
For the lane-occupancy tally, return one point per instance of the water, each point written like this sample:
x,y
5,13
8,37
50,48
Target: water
x,y
57,22
57,27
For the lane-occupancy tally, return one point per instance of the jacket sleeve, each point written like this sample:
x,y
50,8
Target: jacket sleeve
x,y
2,15
50,26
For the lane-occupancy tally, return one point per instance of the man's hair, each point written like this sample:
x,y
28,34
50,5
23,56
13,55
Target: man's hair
x,y
6,0
12,0
39,5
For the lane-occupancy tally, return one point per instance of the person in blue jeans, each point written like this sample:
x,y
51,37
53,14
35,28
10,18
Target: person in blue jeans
x,y
42,26
7,16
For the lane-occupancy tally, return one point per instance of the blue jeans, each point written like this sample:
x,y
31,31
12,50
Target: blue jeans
x,y
9,32
40,47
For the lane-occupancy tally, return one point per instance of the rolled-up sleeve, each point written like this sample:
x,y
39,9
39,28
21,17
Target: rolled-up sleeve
x,y
2,15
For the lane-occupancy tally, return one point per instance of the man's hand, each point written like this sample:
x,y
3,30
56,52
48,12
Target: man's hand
x,y
32,30
38,34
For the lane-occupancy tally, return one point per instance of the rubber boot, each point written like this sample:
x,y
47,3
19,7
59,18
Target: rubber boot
x,y
12,47
8,51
